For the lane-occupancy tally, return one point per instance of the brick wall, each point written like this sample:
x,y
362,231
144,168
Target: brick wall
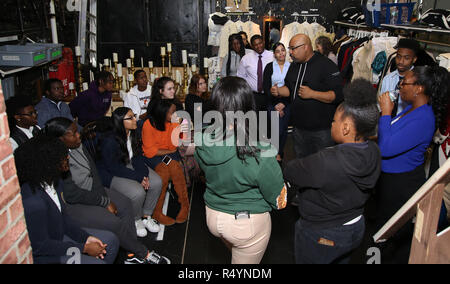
x,y
14,242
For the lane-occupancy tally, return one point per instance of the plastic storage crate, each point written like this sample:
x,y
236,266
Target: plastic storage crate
x,y
54,50
22,55
391,13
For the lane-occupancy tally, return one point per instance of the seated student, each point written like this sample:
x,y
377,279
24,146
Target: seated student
x,y
40,163
196,103
197,90
335,183
139,96
122,168
52,105
162,155
164,88
22,119
89,203
94,103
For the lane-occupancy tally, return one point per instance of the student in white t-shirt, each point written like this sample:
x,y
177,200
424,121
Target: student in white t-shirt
x,y
139,96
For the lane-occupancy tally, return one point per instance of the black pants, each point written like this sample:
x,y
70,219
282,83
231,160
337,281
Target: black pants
x,y
122,224
307,142
261,106
343,240
393,191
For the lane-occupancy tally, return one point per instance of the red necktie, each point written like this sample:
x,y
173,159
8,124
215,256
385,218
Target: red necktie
x,y
260,75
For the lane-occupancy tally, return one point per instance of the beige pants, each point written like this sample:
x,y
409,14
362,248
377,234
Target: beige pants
x,y
247,238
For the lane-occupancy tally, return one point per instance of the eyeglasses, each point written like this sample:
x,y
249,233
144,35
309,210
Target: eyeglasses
x,y
130,118
294,48
29,114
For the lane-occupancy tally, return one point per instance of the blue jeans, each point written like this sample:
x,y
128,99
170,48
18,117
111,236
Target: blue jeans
x,y
344,239
308,142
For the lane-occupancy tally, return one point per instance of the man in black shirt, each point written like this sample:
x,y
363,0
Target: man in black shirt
x,y
314,85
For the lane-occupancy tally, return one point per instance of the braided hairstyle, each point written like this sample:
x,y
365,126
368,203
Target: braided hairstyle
x,y
241,53
435,80
360,103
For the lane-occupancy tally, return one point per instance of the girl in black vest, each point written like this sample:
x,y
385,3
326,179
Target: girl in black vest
x,y
22,119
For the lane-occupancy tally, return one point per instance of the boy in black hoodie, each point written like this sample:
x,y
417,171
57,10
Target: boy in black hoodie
x,y
335,183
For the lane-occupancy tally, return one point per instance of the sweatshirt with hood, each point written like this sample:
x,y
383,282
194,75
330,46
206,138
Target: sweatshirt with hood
x,y
335,183
234,185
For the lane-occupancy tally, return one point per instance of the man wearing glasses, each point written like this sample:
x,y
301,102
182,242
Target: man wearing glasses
x,y
407,50
314,85
22,119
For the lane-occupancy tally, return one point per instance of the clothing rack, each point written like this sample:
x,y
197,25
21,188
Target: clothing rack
x,y
362,33
240,14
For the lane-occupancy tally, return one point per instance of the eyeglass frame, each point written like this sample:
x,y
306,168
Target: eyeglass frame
x,y
131,118
401,83
29,114
294,48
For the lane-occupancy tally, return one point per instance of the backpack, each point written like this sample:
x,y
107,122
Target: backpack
x,y
436,18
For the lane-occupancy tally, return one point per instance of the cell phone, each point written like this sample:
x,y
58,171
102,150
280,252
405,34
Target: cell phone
x,y
166,160
242,215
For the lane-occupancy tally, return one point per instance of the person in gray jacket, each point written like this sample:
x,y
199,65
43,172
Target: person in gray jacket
x,y
52,104
89,203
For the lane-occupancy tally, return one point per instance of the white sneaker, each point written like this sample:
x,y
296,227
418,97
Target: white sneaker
x,y
140,229
151,225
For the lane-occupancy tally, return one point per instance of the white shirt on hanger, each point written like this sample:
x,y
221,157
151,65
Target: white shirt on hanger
x,y
214,30
228,29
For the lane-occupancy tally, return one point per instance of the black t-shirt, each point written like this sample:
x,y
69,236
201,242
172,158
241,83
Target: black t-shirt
x,y
321,75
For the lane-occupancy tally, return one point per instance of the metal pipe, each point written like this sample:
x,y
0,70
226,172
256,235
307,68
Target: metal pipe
x,y
433,42
53,21
21,24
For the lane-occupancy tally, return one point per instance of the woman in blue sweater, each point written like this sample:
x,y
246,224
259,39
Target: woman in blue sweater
x,y
404,139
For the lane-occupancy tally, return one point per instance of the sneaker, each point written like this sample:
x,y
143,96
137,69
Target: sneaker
x,y
151,225
152,258
140,229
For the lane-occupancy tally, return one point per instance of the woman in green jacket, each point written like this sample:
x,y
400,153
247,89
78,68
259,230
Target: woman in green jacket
x,y
243,179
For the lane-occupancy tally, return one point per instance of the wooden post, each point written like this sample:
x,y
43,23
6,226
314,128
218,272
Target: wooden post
x,y
427,245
